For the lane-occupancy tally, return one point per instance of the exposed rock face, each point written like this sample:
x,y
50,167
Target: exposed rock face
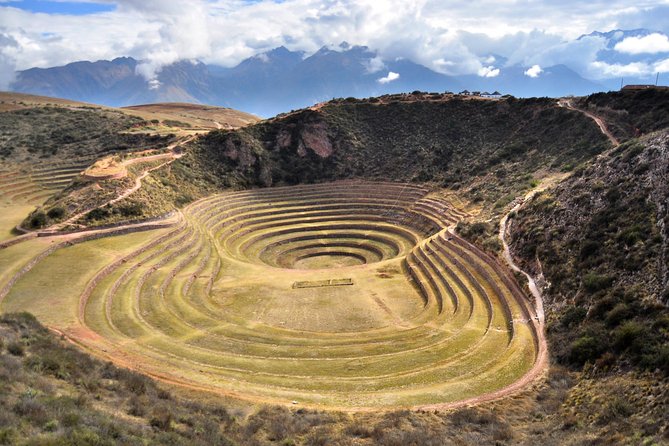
x,y
315,137
284,139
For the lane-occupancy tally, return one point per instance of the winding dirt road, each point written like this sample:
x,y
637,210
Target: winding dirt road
x,y
566,103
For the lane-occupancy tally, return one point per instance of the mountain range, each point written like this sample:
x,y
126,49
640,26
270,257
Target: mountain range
x,y
280,80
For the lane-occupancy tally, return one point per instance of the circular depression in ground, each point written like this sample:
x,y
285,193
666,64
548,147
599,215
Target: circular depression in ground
x,y
344,295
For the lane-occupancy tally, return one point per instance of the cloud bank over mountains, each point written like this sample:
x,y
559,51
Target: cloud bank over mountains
x,y
454,37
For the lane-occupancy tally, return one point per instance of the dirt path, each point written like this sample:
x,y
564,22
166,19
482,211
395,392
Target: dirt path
x,y
566,103
171,156
541,362
532,284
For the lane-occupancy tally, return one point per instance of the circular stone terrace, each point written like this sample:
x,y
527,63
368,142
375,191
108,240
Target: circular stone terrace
x,y
344,295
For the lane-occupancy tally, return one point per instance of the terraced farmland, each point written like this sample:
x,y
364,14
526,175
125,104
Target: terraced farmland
x,y
346,294
24,188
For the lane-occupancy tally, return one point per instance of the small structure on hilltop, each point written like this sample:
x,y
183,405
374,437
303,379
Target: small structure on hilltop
x,y
495,95
633,87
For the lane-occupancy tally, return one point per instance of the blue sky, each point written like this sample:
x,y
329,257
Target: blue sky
x,y
478,37
58,7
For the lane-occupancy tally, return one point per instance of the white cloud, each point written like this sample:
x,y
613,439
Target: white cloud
x,y
661,66
534,71
154,84
452,37
618,70
7,74
263,57
489,71
652,43
374,65
389,78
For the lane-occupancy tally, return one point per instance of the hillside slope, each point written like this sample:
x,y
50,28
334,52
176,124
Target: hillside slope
x,y
601,240
491,151
445,140
630,113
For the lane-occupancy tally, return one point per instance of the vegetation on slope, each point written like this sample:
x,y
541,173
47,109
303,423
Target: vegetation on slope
x,y
53,394
490,150
63,133
601,240
488,147
630,113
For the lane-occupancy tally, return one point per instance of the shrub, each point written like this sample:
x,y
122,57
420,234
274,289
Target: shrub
x,y
7,435
359,430
136,383
594,282
619,313
161,418
56,213
70,419
51,426
137,406
585,349
588,249
573,316
31,409
38,220
657,359
629,336
15,348
618,408
98,214
131,210
462,417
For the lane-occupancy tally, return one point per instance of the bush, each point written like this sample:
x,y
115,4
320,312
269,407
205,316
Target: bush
x,y
136,383
131,210
619,313
38,220
137,406
31,409
586,349
161,418
15,348
56,213
617,409
573,317
588,249
594,282
629,336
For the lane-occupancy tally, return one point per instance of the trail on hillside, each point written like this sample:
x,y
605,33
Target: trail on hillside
x,y
171,155
566,103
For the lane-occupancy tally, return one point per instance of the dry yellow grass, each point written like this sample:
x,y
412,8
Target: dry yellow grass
x,y
195,115
106,168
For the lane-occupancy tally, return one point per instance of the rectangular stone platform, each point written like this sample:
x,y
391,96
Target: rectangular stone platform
x,y
322,283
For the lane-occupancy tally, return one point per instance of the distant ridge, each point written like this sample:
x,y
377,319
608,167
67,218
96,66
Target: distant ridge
x,y
280,80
